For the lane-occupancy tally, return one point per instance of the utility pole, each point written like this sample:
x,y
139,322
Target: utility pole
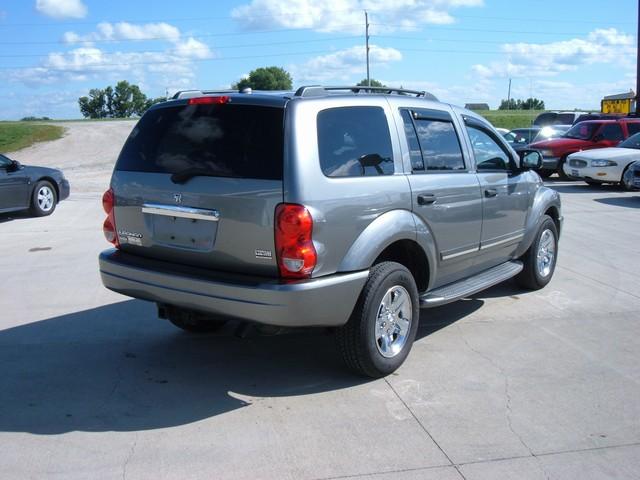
x,y
638,64
509,93
366,29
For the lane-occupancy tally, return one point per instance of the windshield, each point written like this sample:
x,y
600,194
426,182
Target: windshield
x,y
582,131
632,142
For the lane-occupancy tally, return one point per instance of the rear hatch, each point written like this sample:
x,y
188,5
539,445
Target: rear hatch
x,y
198,183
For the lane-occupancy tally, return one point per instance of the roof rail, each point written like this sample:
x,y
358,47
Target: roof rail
x,y
318,90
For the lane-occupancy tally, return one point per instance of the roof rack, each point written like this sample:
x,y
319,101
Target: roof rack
x,y
199,93
318,90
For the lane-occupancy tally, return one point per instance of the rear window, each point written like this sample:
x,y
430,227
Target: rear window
x,y
354,142
242,141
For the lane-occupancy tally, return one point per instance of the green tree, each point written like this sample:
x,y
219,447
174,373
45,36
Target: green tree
x,y
123,101
374,83
528,104
93,106
266,78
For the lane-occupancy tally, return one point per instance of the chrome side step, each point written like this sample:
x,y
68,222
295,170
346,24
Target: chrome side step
x,y
468,286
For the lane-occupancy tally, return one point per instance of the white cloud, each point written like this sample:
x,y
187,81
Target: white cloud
x,y
126,31
172,67
343,65
549,59
62,8
346,15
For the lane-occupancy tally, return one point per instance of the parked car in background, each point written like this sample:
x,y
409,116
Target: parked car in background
x,y
520,138
604,165
598,116
583,136
557,118
631,178
38,189
502,131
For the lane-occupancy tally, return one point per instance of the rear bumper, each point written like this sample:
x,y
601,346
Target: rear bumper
x,y
323,301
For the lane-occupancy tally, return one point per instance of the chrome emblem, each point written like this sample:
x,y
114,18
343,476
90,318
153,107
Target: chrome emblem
x,y
177,197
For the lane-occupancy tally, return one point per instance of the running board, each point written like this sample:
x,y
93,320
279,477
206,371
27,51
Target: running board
x,y
469,286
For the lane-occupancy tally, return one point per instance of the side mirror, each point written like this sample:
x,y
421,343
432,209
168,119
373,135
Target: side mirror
x,y
530,160
14,166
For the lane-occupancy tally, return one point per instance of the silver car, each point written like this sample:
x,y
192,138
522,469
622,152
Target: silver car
x,y
345,207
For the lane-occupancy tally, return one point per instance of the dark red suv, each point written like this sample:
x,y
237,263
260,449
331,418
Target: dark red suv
x,y
583,136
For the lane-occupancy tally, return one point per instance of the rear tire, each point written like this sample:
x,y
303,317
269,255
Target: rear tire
x,y
380,332
591,183
43,199
560,170
541,257
191,321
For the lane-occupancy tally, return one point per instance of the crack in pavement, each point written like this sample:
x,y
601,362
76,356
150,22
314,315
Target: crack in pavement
x,y
507,396
132,450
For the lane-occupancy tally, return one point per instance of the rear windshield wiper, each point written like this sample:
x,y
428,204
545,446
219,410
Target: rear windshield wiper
x,y
188,173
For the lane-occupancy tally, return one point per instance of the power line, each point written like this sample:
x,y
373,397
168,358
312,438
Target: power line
x,y
463,29
176,59
217,47
549,19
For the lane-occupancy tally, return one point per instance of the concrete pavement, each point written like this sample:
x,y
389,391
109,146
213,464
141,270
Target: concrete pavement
x,y
507,384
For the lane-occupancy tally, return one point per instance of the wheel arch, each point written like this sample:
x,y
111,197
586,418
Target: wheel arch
x,y
397,236
546,202
53,183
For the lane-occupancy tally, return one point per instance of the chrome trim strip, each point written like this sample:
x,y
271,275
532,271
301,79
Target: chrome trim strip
x,y
459,254
500,242
182,212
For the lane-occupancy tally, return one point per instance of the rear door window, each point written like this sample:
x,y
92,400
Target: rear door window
x,y
633,128
354,142
242,141
437,139
612,132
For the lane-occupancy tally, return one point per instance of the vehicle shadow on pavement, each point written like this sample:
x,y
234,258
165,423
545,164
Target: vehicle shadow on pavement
x,y
7,217
118,368
628,202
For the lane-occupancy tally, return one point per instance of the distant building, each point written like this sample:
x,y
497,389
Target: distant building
x,y
476,106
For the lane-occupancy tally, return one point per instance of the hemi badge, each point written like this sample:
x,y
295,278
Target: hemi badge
x,y
264,254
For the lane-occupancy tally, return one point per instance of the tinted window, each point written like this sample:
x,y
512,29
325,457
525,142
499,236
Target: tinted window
x,y
439,144
548,118
611,131
216,140
489,155
566,118
4,161
415,152
354,141
582,131
632,142
633,128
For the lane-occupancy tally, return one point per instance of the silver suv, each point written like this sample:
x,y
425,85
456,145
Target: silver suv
x,y
339,207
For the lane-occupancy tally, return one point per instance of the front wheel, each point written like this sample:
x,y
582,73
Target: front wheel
x,y
378,337
540,259
560,170
43,199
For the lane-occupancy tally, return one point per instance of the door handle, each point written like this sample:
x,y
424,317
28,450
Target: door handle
x,y
426,199
490,192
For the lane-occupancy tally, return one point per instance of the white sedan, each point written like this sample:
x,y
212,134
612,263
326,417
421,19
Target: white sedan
x,y
603,165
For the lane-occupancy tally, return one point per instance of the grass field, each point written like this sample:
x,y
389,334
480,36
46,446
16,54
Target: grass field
x,y
17,135
510,118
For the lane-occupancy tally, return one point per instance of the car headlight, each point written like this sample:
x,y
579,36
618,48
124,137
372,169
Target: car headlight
x,y
603,163
547,153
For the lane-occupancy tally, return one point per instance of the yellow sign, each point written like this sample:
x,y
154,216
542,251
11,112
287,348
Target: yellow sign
x,y
616,106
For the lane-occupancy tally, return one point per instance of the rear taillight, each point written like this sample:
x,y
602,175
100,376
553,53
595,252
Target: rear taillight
x,y
208,100
294,247
109,225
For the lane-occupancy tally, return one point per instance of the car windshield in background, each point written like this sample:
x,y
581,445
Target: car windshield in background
x,y
242,141
566,118
632,142
582,131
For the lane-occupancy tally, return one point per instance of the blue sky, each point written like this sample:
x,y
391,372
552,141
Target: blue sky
x,y
569,53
